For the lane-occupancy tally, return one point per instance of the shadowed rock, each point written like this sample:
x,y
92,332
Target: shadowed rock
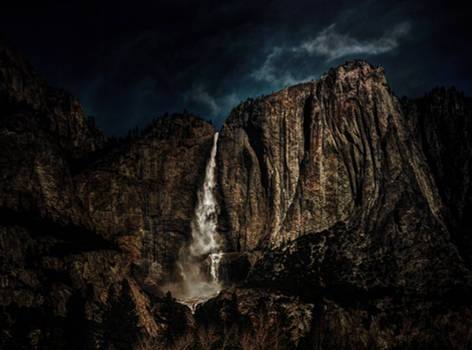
x,y
346,218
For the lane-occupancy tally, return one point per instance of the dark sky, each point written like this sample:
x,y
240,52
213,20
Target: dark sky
x,y
129,62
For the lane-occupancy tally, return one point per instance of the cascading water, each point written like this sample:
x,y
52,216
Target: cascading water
x,y
199,284
204,236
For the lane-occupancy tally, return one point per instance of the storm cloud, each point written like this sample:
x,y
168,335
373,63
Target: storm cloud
x,y
333,45
128,64
328,45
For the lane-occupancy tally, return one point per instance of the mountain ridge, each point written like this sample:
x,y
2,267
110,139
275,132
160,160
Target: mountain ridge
x,y
342,228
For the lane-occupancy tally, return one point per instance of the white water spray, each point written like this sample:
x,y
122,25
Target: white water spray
x,y
198,285
204,236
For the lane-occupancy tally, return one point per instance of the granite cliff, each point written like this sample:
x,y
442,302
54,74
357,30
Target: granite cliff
x,y
84,220
319,153
441,122
345,214
348,197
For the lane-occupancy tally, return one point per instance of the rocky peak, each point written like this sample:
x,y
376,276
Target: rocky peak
x,y
23,93
18,80
334,161
308,156
78,247
355,71
335,182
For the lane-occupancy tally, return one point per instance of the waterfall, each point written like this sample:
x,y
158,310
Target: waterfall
x,y
199,283
214,264
204,236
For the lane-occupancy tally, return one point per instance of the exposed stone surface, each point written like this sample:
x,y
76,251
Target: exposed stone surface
x,y
71,276
143,194
57,112
345,226
42,131
329,179
306,157
442,123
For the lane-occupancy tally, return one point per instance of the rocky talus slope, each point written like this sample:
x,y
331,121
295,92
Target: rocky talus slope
x,y
345,213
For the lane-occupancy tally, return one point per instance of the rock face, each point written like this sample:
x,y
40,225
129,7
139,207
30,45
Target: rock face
x,y
43,130
329,180
58,112
345,226
142,194
77,216
442,123
307,157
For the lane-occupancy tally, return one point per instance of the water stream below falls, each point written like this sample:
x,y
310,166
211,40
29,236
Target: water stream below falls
x,y
199,261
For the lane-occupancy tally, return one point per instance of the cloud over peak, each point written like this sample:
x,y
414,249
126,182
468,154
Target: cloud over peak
x,y
331,44
328,45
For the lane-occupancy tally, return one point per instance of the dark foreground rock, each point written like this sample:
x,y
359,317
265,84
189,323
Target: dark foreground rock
x,y
75,223
264,319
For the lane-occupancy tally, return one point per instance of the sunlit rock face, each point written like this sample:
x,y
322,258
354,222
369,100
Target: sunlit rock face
x,y
328,179
333,152
308,156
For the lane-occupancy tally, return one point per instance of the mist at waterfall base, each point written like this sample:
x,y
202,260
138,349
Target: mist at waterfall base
x,y
199,260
